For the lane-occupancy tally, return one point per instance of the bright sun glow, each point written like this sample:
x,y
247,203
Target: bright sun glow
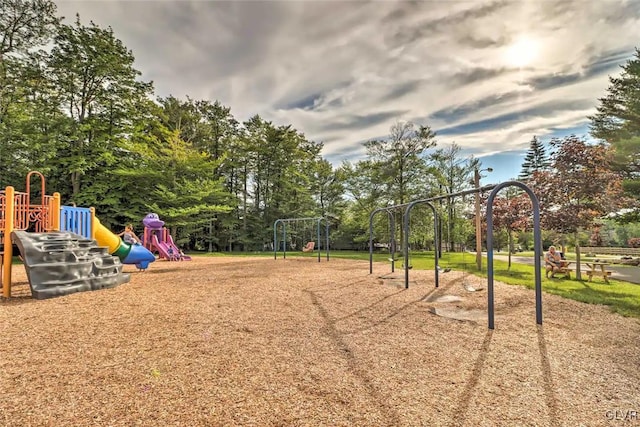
x,y
524,51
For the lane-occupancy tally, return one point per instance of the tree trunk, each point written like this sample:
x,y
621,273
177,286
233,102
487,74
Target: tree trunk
x,y
244,201
510,249
578,274
75,184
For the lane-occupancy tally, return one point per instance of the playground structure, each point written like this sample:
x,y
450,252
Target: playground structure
x,y
156,238
65,249
310,245
494,190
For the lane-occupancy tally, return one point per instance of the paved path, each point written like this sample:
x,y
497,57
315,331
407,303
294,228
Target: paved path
x,y
626,273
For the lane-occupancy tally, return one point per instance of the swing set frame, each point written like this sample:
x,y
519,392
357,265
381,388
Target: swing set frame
x,y
285,221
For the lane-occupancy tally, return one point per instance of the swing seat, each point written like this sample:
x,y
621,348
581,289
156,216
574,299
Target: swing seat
x,y
309,247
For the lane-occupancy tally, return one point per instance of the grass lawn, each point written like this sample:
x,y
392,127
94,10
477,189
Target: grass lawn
x,y
621,297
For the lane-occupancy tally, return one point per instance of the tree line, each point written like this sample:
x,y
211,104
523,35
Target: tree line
x,y
73,106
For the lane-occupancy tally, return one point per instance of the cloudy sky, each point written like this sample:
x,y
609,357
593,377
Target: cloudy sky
x,y
488,75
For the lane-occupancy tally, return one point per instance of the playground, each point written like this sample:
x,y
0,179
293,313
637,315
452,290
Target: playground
x,y
256,341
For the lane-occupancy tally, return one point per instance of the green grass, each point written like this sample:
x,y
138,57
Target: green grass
x,y
621,297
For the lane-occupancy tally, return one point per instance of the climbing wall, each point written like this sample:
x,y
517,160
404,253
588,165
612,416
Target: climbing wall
x,y
61,263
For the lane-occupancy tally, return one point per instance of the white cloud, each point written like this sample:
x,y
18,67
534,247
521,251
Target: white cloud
x,y
344,72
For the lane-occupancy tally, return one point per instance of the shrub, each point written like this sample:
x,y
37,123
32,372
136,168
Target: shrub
x,y
634,242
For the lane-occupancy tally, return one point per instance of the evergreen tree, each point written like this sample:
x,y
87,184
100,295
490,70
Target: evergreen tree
x,y
627,161
617,121
365,191
327,187
536,159
618,115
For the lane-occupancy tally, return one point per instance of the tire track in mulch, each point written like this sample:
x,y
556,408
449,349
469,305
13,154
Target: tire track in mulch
x,y
393,418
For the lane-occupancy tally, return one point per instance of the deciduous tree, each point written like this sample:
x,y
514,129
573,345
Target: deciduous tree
x,y
402,157
453,173
98,89
26,120
579,188
512,212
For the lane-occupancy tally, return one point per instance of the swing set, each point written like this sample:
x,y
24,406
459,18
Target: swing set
x,y
310,246
494,188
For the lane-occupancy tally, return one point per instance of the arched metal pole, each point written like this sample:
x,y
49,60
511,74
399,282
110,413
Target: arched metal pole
x,y
407,215
392,239
404,205
284,240
431,199
537,251
326,222
318,236
275,239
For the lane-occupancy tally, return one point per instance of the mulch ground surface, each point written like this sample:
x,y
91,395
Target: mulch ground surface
x,y
240,341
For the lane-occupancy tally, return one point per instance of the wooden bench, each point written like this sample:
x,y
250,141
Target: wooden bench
x,y
598,269
564,271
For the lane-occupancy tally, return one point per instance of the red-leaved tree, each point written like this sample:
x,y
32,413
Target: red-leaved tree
x,y
579,188
512,212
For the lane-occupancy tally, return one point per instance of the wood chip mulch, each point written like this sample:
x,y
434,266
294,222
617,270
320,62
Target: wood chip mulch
x,y
241,341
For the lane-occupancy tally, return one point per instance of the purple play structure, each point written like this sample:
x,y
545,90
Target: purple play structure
x,y
157,238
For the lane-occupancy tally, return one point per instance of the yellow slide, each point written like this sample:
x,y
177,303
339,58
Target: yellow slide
x,y
105,237
128,254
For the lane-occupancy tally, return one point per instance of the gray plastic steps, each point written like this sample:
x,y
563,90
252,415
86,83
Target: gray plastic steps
x,y
61,263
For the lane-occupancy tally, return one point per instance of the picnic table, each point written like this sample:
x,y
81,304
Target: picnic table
x,y
598,269
564,270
